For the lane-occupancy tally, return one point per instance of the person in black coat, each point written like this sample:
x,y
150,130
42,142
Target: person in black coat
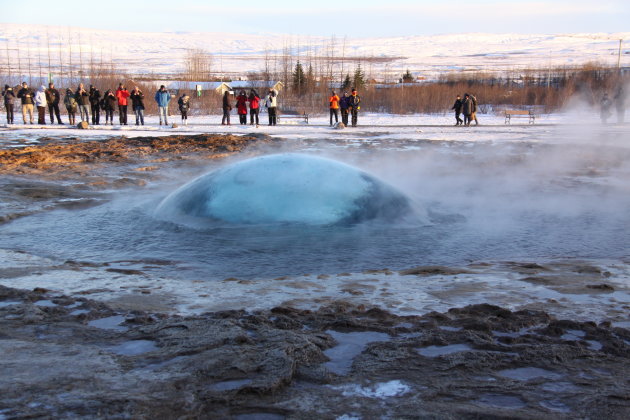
x,y
344,106
9,102
227,107
457,106
53,98
95,104
108,104
137,104
27,96
82,97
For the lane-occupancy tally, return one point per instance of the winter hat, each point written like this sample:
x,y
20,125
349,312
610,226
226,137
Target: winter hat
x,y
6,86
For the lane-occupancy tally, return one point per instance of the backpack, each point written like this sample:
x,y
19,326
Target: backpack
x,y
70,102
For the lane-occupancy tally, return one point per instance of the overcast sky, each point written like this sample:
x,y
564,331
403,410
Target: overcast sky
x,y
364,18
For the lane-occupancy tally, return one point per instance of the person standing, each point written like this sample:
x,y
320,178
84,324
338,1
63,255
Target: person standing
x,y
254,107
354,102
95,104
467,109
227,107
53,97
137,104
41,104
162,97
184,106
122,94
83,99
108,104
457,106
9,102
620,104
344,106
473,114
271,102
71,105
241,107
26,95
334,107
605,105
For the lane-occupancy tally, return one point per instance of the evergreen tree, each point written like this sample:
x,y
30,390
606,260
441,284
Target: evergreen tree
x,y
310,79
347,83
299,79
359,78
407,77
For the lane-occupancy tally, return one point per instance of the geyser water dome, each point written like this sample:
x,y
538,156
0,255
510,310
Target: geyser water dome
x,y
287,188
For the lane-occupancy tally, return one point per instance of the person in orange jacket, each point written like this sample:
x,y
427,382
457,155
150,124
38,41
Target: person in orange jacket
x,y
334,107
122,94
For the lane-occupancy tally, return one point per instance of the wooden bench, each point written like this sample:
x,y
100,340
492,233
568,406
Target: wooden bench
x,y
293,115
509,114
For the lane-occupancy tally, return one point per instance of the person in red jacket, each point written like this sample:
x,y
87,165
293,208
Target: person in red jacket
x,y
122,94
334,107
241,107
254,107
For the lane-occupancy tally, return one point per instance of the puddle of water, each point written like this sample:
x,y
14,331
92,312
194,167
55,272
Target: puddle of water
x,y
109,323
555,405
134,347
594,345
350,345
447,328
229,385
436,351
502,401
527,373
79,312
404,325
9,303
379,390
622,324
45,303
560,387
573,335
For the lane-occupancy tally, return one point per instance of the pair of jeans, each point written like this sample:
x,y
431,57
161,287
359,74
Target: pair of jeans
x,y
27,109
253,114
53,109
9,108
139,115
84,111
334,112
122,114
226,116
163,111
344,116
273,119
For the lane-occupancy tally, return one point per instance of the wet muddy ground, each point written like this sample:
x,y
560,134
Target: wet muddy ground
x,y
67,357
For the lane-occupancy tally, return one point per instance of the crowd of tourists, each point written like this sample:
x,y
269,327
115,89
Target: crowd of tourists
x,y
89,104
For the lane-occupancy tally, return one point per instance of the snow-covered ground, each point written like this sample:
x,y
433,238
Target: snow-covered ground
x,y
237,54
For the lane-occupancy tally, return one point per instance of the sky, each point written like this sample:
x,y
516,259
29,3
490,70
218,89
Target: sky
x,y
351,18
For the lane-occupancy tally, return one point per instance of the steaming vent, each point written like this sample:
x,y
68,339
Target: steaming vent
x,y
287,188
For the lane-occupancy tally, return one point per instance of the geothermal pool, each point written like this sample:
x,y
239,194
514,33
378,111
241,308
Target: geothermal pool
x,y
557,195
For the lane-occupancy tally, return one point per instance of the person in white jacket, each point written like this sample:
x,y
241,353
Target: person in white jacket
x,y
41,103
271,102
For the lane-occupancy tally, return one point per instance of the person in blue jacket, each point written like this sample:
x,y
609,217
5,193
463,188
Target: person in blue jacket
x,y
163,97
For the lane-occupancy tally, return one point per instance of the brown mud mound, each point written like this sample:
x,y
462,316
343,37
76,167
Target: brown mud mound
x,y
63,154
76,358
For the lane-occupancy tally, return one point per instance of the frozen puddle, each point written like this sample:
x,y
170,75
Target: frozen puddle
x,y
502,401
555,405
45,303
134,347
380,390
9,303
436,351
350,345
230,385
573,335
109,323
527,373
